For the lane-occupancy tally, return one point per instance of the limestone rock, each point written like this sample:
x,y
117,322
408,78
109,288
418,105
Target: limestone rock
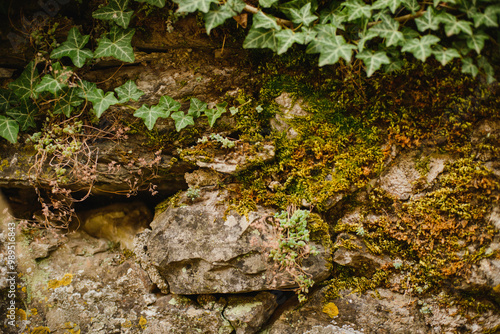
x,y
204,248
353,252
398,180
366,313
229,161
290,110
180,315
202,178
248,314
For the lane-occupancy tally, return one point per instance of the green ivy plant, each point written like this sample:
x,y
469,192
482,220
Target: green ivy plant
x,y
378,33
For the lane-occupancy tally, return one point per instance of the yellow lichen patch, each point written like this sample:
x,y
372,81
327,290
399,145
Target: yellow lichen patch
x,y
143,322
126,324
331,309
66,280
40,330
71,328
34,311
497,288
21,314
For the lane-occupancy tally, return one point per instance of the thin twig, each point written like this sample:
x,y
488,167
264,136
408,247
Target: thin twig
x,y
403,18
282,22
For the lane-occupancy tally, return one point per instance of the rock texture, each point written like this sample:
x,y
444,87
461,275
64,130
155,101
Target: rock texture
x,y
206,248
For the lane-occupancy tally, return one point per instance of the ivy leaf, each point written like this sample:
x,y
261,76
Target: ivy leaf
x,y
325,32
488,69
393,66
391,4
236,5
67,101
468,67
420,48
357,9
334,48
189,6
168,104
468,7
5,99
73,48
157,3
115,11
261,38
453,26
117,44
196,107
309,34
373,61
181,120
286,38
85,88
23,87
100,101
214,114
267,3
488,18
233,111
428,21
303,15
217,16
444,56
55,82
388,29
9,129
409,33
261,20
411,5
24,114
476,41
128,91
151,114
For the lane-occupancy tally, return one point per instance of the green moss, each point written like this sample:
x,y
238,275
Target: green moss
x,y
445,231
347,279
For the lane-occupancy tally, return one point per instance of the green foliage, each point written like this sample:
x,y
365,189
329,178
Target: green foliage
x,y
151,114
115,11
54,82
225,142
72,48
101,102
157,3
9,129
23,87
293,246
116,43
128,91
182,120
193,193
387,28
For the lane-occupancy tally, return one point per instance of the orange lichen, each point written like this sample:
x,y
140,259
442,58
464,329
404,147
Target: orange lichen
x,y
66,280
143,322
331,309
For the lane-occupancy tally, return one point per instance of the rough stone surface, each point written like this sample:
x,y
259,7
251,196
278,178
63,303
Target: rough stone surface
x,y
230,161
202,178
289,110
204,249
248,314
399,178
353,252
367,313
